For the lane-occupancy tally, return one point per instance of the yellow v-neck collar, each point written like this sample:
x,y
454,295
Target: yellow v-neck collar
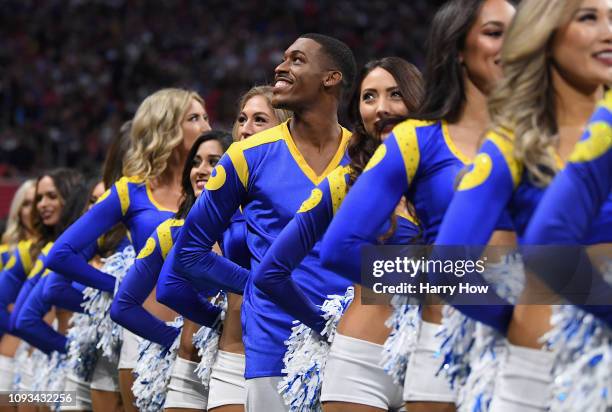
x,y
451,145
301,162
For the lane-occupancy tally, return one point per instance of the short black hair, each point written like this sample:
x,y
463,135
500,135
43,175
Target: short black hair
x,y
341,56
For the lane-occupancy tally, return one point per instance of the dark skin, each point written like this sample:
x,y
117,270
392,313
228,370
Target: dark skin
x,y
306,85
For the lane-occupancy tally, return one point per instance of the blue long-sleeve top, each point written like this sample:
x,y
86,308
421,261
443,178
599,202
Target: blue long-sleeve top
x,y
418,160
269,178
273,275
496,184
12,277
30,324
62,292
139,282
38,269
178,293
577,209
129,201
579,196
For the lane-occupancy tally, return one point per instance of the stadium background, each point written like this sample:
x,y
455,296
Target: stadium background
x,y
73,70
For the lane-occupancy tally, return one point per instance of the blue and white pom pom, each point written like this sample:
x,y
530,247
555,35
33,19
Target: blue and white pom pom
x,y
51,375
55,372
38,366
22,359
583,362
458,336
460,350
485,356
306,356
97,304
152,372
206,341
404,323
82,352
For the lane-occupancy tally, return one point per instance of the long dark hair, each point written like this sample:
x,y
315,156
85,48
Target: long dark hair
x,y
188,197
444,87
111,172
410,83
70,186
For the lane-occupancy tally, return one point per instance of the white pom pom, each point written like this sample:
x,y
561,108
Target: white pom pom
x,y
206,341
583,348
152,372
484,360
404,323
99,331
307,354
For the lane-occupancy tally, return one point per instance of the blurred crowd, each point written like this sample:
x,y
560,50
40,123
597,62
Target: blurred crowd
x,y
71,71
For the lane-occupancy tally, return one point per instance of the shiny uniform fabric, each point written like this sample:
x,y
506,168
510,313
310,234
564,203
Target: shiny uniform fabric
x,y
274,277
176,291
12,277
269,178
585,184
130,202
30,308
418,160
141,279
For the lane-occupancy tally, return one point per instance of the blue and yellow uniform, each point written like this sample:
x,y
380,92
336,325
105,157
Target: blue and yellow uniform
x,y
577,209
269,178
580,193
498,183
177,292
5,255
11,279
130,202
60,291
140,281
273,276
30,308
418,160
30,324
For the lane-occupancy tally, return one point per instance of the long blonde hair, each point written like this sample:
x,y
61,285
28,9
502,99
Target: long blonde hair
x,y
265,91
16,229
156,132
524,100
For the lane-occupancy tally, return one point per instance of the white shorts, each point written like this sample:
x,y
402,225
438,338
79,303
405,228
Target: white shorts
x,y
83,395
27,378
7,373
105,375
185,389
227,383
353,374
262,395
129,350
423,382
524,381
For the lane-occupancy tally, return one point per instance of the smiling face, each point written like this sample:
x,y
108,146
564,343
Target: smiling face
x,y
25,213
205,160
255,116
194,123
49,203
380,98
299,78
481,55
586,39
